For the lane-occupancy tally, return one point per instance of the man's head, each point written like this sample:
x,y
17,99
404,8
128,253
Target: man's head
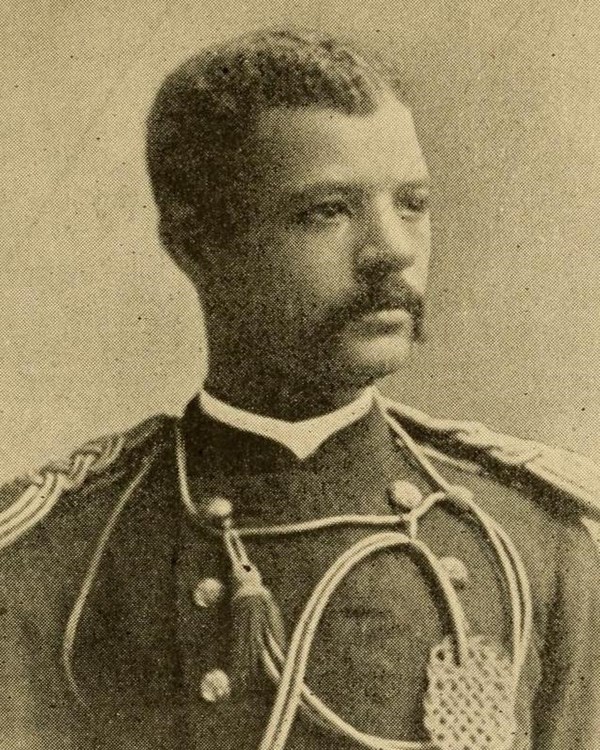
x,y
292,190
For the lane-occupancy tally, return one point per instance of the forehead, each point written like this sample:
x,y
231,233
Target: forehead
x,y
309,145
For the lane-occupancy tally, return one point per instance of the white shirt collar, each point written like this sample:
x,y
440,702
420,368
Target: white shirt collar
x,y
303,437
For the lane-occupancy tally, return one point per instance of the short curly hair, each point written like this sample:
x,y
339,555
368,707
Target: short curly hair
x,y
205,111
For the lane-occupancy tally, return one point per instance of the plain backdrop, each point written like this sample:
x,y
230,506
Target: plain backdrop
x,y
98,330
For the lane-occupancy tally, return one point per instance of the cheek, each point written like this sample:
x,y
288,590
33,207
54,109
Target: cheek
x,y
301,274
417,274
321,263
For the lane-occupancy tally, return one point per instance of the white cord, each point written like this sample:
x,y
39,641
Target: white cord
x,y
291,685
289,670
90,577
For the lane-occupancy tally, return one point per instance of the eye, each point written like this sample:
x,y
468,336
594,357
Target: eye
x,y
414,202
324,213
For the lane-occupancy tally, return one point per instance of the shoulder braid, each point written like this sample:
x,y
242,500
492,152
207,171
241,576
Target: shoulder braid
x,y
576,478
40,491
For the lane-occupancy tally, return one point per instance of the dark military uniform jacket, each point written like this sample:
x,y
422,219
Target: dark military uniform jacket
x,y
108,627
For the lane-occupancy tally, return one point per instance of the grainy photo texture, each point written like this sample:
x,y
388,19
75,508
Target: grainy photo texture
x,y
325,535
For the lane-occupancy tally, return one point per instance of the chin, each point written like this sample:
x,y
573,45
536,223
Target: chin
x,y
367,360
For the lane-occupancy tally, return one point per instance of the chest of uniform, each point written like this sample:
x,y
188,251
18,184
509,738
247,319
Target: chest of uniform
x,y
154,650
370,652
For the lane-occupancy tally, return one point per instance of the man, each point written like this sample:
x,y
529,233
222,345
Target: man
x,y
287,565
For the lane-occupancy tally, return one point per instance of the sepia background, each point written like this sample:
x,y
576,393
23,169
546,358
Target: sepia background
x,y
98,330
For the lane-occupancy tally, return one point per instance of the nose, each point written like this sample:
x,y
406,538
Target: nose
x,y
390,242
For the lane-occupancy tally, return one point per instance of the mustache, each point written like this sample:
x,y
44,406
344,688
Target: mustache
x,y
372,299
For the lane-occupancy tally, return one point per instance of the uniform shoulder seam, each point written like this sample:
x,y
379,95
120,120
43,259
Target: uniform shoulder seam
x,y
458,463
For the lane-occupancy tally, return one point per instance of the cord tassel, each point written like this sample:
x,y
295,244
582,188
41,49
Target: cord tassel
x,y
254,614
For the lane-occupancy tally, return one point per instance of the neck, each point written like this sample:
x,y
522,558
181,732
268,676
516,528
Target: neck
x,y
267,394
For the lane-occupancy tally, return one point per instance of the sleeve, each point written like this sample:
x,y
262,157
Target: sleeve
x,y
31,716
567,710
16,731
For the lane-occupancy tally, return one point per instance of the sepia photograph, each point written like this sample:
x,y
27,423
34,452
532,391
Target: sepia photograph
x,y
300,384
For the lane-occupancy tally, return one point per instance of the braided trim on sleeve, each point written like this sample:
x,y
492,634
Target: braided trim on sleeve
x,y
46,486
576,477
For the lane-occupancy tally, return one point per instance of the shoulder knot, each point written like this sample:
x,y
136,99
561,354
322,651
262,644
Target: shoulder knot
x,y
32,497
575,477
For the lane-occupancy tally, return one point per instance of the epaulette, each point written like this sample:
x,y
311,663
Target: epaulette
x,y
37,493
575,478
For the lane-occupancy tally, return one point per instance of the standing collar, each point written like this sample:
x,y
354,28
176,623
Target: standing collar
x,y
302,437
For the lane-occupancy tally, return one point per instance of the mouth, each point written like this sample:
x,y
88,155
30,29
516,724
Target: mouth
x,y
385,320
381,311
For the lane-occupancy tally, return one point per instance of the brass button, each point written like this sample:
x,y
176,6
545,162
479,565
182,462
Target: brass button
x,y
218,510
404,496
207,592
456,570
215,686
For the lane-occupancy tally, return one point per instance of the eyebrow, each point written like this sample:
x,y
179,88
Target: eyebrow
x,y
347,186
